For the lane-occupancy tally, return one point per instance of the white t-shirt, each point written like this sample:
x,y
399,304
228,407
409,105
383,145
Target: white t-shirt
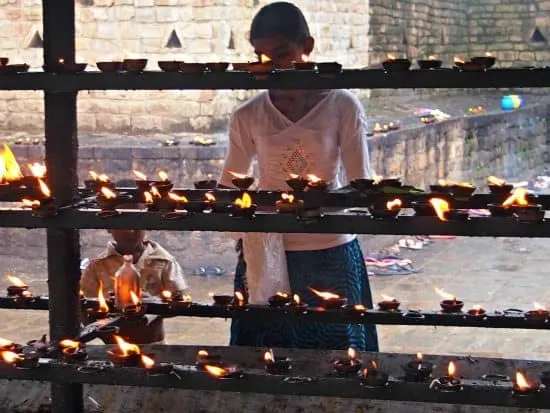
x,y
331,135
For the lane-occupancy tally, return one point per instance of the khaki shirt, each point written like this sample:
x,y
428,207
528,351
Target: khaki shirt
x,y
158,269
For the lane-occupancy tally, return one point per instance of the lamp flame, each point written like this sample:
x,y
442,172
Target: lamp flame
x,y
441,207
10,357
163,175
518,197
394,204
244,202
210,197
451,369
264,59
134,298
9,168
521,381
360,307
387,297
103,307
240,297
305,58
287,197
432,57
44,188
296,299
166,294
37,169
100,178
178,198
107,193
147,361
148,197
539,307
269,357
352,354
15,281
126,348
419,356
28,203
444,295
5,343
391,56
72,344
493,180
139,175
458,60
325,295
215,370
313,178
202,353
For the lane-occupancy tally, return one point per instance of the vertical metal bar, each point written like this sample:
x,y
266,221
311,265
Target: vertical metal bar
x,y
61,162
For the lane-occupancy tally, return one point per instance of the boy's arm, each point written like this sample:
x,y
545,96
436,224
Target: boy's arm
x,y
240,152
173,279
89,281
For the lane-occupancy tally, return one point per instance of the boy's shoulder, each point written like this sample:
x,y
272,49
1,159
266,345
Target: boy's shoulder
x,y
251,106
345,97
156,252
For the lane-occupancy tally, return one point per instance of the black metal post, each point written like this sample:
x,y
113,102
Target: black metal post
x,y
61,162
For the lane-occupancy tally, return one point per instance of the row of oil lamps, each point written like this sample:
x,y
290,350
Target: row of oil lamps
x,y
126,354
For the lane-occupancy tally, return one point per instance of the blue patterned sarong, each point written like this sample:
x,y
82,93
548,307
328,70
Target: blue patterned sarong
x,y
340,270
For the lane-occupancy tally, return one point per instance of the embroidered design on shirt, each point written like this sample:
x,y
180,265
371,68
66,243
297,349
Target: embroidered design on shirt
x,y
296,160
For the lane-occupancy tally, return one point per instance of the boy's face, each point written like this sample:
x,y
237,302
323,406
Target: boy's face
x,y
128,241
282,51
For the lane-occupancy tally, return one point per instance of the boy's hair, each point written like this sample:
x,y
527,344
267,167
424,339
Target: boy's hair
x,y
280,19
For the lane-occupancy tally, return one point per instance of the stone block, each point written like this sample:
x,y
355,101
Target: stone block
x,y
144,3
124,13
86,122
146,123
115,123
167,14
104,3
145,14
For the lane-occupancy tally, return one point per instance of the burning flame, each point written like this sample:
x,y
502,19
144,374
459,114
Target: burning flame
x,y
155,192
287,197
148,197
477,307
521,381
244,202
126,348
296,299
139,175
458,60
178,198
101,178
493,180
163,176
107,192
281,294
387,297
313,178
444,295
61,61
539,307
394,204
240,297
15,281
5,343
264,59
210,197
67,343
377,178
294,176
215,370
352,354
373,364
44,188
269,357
419,356
134,297
237,175
325,295
10,357
37,169
202,353
9,168
360,307
391,56
103,307
166,294
305,58
518,197
147,361
441,207
432,57
487,54
451,369
28,203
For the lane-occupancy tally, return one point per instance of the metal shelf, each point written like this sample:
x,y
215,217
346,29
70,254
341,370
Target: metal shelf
x,y
348,79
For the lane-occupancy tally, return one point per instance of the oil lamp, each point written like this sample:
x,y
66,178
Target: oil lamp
x,y
297,303
221,299
476,311
277,365
485,61
224,372
125,354
102,309
239,300
523,386
538,314
7,345
373,377
316,184
394,64
330,300
297,183
378,128
304,64
288,204
72,351
243,207
241,181
391,210
393,125
17,288
441,208
457,189
418,369
163,185
448,382
518,203
280,299
262,68
143,184
134,310
499,186
27,360
362,184
206,184
430,63
204,358
388,303
450,304
348,366
329,68
107,199
43,206
97,181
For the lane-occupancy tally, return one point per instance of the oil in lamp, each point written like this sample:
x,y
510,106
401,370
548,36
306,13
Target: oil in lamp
x,y
241,181
297,182
288,203
499,186
476,311
391,210
7,345
224,372
277,365
348,366
125,354
243,207
72,351
304,64
538,314
27,360
17,288
448,382
523,386
262,68
373,377
280,299
102,309
316,184
418,369
222,299
97,181
330,300
388,303
450,304
205,358
394,64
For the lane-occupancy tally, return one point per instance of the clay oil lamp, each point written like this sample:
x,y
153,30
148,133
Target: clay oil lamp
x,y
390,212
136,309
204,358
304,64
329,69
63,67
206,184
38,171
222,299
163,185
44,205
262,68
174,202
240,67
7,345
211,204
101,310
538,314
72,351
393,125
418,369
243,207
382,182
193,68
449,304
444,212
545,378
225,372
153,199
217,67
110,67
467,66
378,128
457,189
476,311
523,386
280,299
388,303
458,62
170,65
143,184
427,119
40,346
394,64
208,204
297,304
373,377
330,300
348,366
277,365
125,354
297,183
288,204
97,181
241,181
430,63
166,296
13,69
239,299
107,200
486,61
499,186
134,65
434,207
182,301
27,360
316,184
17,288
362,184
522,209
4,61
449,382
154,369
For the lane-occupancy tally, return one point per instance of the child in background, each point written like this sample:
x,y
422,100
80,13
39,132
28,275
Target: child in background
x,y
298,132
